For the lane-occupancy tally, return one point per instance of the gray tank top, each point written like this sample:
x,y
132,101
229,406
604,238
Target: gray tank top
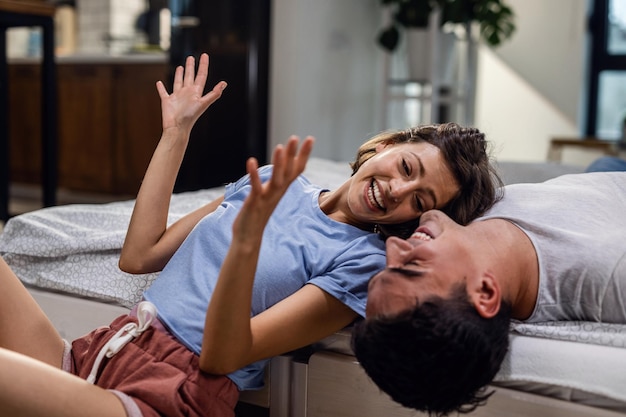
x,y
577,224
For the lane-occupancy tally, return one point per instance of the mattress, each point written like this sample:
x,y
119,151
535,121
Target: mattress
x,y
582,362
73,250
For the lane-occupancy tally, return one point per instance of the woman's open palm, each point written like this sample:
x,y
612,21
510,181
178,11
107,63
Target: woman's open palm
x,y
186,103
288,162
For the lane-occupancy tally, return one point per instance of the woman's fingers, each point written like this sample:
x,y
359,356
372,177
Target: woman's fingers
x,y
190,69
161,89
297,155
304,153
203,71
290,160
178,78
212,96
186,76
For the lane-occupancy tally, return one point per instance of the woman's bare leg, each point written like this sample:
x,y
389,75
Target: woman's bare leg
x,y
31,388
24,327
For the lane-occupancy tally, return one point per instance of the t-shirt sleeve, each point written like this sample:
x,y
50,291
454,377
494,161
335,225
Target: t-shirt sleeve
x,y
265,172
347,280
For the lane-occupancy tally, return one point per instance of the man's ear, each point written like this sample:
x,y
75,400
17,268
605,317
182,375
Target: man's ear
x,y
486,296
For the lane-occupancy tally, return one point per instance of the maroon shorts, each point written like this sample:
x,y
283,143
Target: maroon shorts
x,y
156,371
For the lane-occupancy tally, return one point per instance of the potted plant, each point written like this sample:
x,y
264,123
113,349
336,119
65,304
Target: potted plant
x,y
494,17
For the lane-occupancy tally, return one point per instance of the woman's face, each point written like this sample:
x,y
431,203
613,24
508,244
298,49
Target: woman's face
x,y
399,183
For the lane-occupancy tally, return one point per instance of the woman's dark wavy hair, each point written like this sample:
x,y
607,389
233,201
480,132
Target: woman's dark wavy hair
x,y
466,153
437,358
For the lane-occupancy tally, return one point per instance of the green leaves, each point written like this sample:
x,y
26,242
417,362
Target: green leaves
x,y
389,38
496,19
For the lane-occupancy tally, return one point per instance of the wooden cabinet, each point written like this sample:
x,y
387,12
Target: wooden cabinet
x,y
85,131
24,123
109,119
138,127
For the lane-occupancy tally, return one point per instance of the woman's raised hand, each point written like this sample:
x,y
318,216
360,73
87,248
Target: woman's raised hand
x,y
288,161
182,108
150,242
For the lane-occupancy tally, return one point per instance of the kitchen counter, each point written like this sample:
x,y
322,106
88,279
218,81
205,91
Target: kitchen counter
x,y
131,58
32,7
109,117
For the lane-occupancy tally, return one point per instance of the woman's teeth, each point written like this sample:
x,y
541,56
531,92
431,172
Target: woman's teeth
x,y
374,195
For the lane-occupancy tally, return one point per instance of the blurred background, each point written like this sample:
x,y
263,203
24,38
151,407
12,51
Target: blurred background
x,y
312,67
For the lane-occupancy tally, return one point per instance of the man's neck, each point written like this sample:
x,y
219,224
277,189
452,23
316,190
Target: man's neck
x,y
515,264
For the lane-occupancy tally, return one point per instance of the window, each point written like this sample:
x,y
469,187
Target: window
x,y
606,105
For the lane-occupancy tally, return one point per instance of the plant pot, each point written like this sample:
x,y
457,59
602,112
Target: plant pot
x,y
420,54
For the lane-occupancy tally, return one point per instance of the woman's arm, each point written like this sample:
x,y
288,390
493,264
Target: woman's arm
x,y
231,339
304,317
149,243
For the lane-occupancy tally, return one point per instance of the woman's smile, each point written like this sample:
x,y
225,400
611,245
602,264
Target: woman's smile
x,y
375,196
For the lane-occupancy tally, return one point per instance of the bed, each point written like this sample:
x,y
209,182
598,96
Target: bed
x,y
67,257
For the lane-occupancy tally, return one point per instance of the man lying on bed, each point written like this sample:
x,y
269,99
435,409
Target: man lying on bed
x,y
438,316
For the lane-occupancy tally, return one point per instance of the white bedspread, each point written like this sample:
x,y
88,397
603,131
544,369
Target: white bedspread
x,y
75,248
604,334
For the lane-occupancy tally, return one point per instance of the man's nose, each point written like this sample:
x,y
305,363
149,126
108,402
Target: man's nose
x,y
397,250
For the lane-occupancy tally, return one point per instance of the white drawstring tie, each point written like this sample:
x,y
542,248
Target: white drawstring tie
x,y
146,313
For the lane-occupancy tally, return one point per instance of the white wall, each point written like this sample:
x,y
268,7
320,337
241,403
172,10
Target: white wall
x,y
514,115
326,76
547,50
531,88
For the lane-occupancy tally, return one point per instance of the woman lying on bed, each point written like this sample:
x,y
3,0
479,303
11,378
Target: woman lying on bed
x,y
233,288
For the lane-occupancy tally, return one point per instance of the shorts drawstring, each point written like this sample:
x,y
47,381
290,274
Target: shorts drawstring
x,y
146,313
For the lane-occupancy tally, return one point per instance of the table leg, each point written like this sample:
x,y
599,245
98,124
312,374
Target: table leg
x,y
4,130
49,119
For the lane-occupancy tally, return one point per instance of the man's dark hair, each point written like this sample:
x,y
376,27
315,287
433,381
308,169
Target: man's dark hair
x,y
438,357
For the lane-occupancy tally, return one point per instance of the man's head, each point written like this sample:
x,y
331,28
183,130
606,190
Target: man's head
x,y
437,325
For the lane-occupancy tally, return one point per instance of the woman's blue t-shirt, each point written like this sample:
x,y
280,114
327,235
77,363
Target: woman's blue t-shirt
x,y
301,245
